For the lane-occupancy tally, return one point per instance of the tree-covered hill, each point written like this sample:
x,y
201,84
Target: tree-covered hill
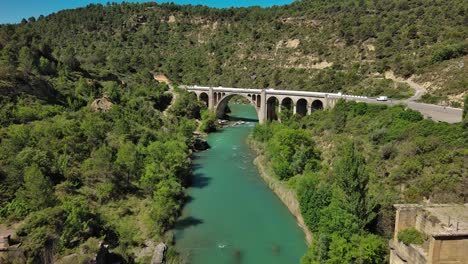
x,y
311,45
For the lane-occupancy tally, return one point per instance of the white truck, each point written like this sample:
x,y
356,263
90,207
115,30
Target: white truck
x,y
382,98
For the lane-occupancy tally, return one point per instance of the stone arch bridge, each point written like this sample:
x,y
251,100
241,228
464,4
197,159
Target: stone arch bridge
x,y
267,102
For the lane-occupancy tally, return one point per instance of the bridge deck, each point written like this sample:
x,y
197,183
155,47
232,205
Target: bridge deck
x,y
271,92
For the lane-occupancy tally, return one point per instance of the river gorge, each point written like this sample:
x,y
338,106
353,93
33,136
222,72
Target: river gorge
x,y
231,215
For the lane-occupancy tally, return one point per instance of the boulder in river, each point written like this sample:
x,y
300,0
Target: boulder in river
x,y
200,144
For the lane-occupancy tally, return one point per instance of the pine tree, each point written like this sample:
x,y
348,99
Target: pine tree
x,y
352,177
37,190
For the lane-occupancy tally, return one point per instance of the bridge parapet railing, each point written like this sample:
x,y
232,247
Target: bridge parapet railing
x,y
271,91
194,87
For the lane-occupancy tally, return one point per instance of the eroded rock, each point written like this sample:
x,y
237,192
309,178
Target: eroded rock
x,y
159,254
101,105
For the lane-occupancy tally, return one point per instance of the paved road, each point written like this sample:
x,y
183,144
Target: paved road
x,y
435,112
419,90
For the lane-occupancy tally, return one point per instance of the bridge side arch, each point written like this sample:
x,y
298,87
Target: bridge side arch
x,y
272,107
301,107
204,98
316,105
287,103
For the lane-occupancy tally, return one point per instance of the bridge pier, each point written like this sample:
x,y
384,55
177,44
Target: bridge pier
x,y
262,114
211,99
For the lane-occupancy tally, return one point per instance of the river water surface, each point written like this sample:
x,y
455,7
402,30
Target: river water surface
x,y
232,216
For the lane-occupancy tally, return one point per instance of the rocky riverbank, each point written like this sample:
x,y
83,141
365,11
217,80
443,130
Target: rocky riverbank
x,y
286,195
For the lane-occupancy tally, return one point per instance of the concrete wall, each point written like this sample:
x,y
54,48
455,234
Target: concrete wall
x,y
449,250
405,218
401,253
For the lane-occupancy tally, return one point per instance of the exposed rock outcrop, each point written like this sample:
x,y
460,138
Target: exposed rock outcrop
x,y
101,105
4,242
159,254
161,78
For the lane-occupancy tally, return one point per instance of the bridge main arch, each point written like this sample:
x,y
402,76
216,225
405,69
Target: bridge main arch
x,y
254,100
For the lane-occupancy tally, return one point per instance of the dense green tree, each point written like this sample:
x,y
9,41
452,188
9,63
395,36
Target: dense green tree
x,y
79,221
166,203
26,59
292,151
98,167
127,160
362,249
84,90
352,177
187,105
37,190
208,119
69,60
314,195
46,66
164,161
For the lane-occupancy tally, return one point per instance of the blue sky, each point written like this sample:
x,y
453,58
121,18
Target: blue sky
x,y
12,11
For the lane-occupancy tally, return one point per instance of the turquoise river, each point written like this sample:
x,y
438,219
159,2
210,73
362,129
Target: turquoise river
x,y
232,216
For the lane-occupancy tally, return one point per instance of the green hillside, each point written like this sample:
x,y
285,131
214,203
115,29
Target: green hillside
x,y
309,45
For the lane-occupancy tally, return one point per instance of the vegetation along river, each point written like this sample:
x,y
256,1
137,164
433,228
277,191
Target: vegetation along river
x,y
232,216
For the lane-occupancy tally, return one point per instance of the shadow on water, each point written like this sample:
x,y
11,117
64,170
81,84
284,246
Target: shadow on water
x,y
188,199
199,181
187,222
196,165
238,118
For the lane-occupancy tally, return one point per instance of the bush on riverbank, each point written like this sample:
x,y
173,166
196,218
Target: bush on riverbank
x,y
208,121
291,151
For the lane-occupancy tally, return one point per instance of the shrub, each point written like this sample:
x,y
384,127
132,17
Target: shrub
x,y
410,236
450,52
208,121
